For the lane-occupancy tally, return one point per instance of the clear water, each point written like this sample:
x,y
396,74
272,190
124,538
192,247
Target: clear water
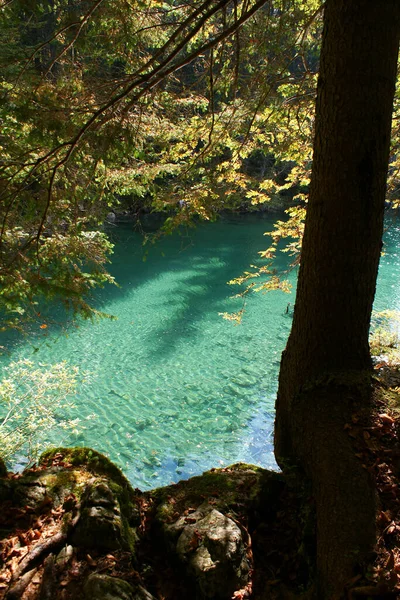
x,y
175,388
387,295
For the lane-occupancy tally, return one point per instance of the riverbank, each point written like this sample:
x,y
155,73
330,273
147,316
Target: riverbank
x,y
73,526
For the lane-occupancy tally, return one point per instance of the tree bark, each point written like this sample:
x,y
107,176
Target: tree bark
x,y
324,376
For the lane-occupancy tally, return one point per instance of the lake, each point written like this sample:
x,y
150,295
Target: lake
x,y
170,387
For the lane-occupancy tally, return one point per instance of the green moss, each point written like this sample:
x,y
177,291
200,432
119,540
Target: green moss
x,y
103,587
59,483
97,464
92,460
129,535
230,489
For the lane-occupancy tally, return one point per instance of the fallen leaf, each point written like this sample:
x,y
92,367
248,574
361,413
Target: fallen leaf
x,y
386,419
391,528
24,540
195,541
384,517
390,561
90,561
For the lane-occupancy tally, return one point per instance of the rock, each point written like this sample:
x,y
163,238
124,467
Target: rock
x,y
30,493
88,458
104,587
212,546
101,524
99,494
64,556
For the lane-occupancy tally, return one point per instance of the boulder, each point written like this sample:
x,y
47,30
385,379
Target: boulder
x,y
29,492
212,547
101,524
104,587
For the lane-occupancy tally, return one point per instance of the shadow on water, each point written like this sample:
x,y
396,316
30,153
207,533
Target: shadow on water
x,y
199,263
147,262
209,259
204,292
192,248
170,379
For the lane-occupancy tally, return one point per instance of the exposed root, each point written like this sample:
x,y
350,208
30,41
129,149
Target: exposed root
x,y
28,565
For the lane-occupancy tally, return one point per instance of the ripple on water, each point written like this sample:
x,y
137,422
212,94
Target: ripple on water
x,y
174,387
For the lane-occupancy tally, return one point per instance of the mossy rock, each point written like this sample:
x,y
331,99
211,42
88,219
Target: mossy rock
x,y
104,587
103,523
61,483
108,499
92,460
96,463
237,488
189,515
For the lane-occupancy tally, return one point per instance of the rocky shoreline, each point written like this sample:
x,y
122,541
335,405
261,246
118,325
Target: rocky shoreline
x,y
73,527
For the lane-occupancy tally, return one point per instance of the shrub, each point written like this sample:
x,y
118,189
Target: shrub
x,y
34,402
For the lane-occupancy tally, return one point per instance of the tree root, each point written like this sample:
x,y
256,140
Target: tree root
x,y
15,592
48,586
28,565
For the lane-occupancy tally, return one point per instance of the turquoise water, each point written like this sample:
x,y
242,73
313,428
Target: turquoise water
x,y
387,295
176,389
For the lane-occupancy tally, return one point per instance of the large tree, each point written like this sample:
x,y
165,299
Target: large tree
x,y
325,370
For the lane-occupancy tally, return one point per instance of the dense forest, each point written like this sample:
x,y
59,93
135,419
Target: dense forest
x,y
189,110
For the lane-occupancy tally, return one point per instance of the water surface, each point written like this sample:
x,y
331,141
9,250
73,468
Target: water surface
x,y
176,389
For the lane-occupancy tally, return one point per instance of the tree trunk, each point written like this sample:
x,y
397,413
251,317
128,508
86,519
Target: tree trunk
x,y
325,368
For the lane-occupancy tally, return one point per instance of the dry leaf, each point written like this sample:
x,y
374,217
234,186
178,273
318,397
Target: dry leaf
x,y
90,561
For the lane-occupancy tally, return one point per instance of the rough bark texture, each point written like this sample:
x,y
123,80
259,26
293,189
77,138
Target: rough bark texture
x,y
324,369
